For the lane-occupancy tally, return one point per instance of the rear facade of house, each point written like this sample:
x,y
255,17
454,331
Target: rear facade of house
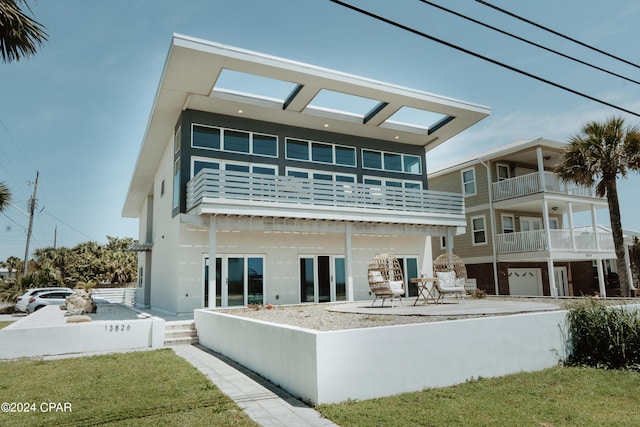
x,y
281,192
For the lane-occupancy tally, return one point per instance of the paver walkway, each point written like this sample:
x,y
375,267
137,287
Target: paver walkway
x,y
265,403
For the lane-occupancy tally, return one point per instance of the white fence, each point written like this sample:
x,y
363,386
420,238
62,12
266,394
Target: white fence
x,y
125,296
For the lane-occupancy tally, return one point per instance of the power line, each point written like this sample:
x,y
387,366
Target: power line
x,y
535,24
522,39
485,58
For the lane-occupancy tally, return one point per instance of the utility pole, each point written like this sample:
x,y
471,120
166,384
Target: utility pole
x,y
32,208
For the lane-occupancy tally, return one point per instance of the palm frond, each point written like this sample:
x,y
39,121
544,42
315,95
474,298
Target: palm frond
x,y
20,35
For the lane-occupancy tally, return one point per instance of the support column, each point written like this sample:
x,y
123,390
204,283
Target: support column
x,y
601,283
545,217
552,279
212,260
541,169
571,231
450,240
594,225
627,264
348,261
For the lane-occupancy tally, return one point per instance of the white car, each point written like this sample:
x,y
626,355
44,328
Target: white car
x,y
57,297
23,300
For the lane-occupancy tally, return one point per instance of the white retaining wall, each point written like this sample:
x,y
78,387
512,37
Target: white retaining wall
x,y
53,336
333,366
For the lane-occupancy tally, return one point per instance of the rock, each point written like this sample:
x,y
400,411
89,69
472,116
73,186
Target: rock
x,y
74,312
78,319
80,300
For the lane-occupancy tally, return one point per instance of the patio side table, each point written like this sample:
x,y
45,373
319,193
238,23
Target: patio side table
x,y
425,284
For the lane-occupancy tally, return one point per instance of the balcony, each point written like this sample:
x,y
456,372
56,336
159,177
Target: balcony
x,y
531,183
240,193
561,240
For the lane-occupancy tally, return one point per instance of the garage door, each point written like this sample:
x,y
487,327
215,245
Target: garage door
x,y
525,281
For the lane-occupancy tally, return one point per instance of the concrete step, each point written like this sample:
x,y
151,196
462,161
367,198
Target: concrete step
x,y
180,332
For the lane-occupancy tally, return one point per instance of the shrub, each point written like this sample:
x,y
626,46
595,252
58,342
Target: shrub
x,y
605,337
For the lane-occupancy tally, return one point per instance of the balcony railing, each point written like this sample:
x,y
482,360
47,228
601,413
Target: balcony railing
x,y
535,241
216,186
531,183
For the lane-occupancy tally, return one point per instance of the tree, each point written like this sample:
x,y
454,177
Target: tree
x,y
20,35
602,153
5,196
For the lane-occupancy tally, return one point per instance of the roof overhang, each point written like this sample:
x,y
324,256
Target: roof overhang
x,y
193,66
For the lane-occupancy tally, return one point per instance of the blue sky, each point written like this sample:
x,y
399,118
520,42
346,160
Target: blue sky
x,y
77,111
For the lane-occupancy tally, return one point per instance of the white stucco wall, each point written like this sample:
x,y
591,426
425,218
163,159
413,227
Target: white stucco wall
x,y
46,332
333,366
164,266
281,252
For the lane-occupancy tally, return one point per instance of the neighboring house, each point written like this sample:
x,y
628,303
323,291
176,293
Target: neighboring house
x,y
521,237
262,180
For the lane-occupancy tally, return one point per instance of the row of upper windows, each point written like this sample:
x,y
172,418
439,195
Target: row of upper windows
x,y
199,163
216,138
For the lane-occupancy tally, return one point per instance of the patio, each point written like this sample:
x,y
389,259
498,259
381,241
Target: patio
x,y
470,307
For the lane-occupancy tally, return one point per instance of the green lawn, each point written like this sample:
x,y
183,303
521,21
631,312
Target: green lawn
x,y
159,388
555,397
144,388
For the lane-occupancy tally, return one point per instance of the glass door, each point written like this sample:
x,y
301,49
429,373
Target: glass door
x,y
322,278
239,280
340,279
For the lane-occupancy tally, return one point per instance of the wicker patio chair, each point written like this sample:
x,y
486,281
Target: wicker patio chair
x,y
451,273
385,278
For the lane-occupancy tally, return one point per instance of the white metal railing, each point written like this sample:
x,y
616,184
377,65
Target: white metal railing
x,y
217,184
534,241
531,183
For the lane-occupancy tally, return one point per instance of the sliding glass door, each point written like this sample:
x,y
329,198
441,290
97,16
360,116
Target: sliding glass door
x,y
239,281
322,278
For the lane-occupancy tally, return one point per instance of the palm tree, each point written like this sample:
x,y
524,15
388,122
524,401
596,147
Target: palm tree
x,y
598,156
20,35
5,195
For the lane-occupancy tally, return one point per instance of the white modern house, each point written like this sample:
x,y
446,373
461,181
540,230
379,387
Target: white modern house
x,y
262,180
522,234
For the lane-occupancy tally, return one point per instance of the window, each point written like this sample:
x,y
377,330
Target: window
x,y
320,152
394,162
503,172
176,183
371,159
478,230
205,137
325,176
553,223
443,242
508,224
297,149
162,187
236,141
345,156
374,180
176,140
469,182
412,164
265,145
198,164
